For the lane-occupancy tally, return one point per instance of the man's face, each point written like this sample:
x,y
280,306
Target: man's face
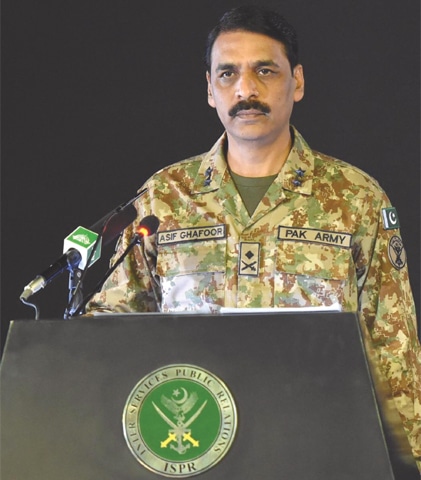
x,y
252,87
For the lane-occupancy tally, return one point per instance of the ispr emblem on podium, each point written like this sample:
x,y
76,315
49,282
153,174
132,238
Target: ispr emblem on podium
x,y
179,420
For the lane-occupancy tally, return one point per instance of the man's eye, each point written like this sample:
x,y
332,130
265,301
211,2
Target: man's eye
x,y
227,74
265,72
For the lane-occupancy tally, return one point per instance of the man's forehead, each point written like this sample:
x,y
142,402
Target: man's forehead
x,y
237,45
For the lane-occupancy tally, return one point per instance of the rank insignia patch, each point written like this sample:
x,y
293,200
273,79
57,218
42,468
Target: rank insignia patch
x,y
396,251
390,218
249,259
179,421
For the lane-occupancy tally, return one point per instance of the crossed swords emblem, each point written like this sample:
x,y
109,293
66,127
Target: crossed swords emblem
x,y
251,265
179,431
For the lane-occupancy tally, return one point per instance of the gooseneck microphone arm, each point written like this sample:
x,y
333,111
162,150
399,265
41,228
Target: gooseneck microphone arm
x,y
112,224
79,310
148,226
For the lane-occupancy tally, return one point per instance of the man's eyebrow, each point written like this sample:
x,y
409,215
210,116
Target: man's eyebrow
x,y
225,66
256,64
265,63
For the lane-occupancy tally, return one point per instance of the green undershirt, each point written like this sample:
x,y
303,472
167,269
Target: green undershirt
x,y
252,189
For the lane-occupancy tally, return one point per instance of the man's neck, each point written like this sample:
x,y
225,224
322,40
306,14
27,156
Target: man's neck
x,y
257,159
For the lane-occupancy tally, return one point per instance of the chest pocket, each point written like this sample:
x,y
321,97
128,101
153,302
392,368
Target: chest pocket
x,y
192,275
191,257
311,274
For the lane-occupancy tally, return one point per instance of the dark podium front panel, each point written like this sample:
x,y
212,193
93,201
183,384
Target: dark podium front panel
x,y
304,397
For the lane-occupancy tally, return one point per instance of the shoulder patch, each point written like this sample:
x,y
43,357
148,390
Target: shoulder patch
x,y
390,218
396,252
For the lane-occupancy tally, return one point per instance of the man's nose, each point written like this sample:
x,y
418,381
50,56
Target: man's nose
x,y
246,86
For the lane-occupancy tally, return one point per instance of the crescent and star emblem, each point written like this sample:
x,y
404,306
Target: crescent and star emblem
x,y
179,431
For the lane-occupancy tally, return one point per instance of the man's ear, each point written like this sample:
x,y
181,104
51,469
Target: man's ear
x,y
299,83
210,95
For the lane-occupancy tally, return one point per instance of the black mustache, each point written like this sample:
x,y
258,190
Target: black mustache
x,y
248,105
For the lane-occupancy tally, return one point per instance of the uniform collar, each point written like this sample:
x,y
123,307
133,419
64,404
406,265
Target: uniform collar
x,y
295,176
212,168
297,173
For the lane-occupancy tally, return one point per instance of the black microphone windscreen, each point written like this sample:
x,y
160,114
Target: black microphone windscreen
x,y
149,223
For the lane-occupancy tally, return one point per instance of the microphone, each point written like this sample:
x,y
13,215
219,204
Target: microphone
x,y
68,260
87,243
83,245
148,226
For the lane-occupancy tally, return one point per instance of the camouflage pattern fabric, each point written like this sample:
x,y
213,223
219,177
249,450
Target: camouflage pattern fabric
x,y
324,234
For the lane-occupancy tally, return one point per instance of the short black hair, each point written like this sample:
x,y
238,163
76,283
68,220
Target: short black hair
x,y
253,18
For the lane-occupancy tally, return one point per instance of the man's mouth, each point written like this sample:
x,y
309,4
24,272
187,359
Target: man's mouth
x,y
249,113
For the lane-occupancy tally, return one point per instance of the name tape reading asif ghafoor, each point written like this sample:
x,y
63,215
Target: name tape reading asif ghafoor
x,y
214,232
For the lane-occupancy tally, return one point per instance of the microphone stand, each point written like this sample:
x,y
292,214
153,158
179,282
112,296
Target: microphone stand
x,y
76,278
136,240
75,292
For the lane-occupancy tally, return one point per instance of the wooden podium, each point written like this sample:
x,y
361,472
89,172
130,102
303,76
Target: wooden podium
x,y
303,391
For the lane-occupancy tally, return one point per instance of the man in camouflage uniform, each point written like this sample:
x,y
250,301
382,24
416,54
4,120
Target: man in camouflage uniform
x,y
261,220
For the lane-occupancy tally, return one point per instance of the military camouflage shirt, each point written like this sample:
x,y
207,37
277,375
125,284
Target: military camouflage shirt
x,y
324,234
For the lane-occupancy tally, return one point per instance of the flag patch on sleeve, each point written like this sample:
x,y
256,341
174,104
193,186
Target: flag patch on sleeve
x,y
390,218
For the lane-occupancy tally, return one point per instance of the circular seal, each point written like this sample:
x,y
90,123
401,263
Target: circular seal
x,y
179,420
396,252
